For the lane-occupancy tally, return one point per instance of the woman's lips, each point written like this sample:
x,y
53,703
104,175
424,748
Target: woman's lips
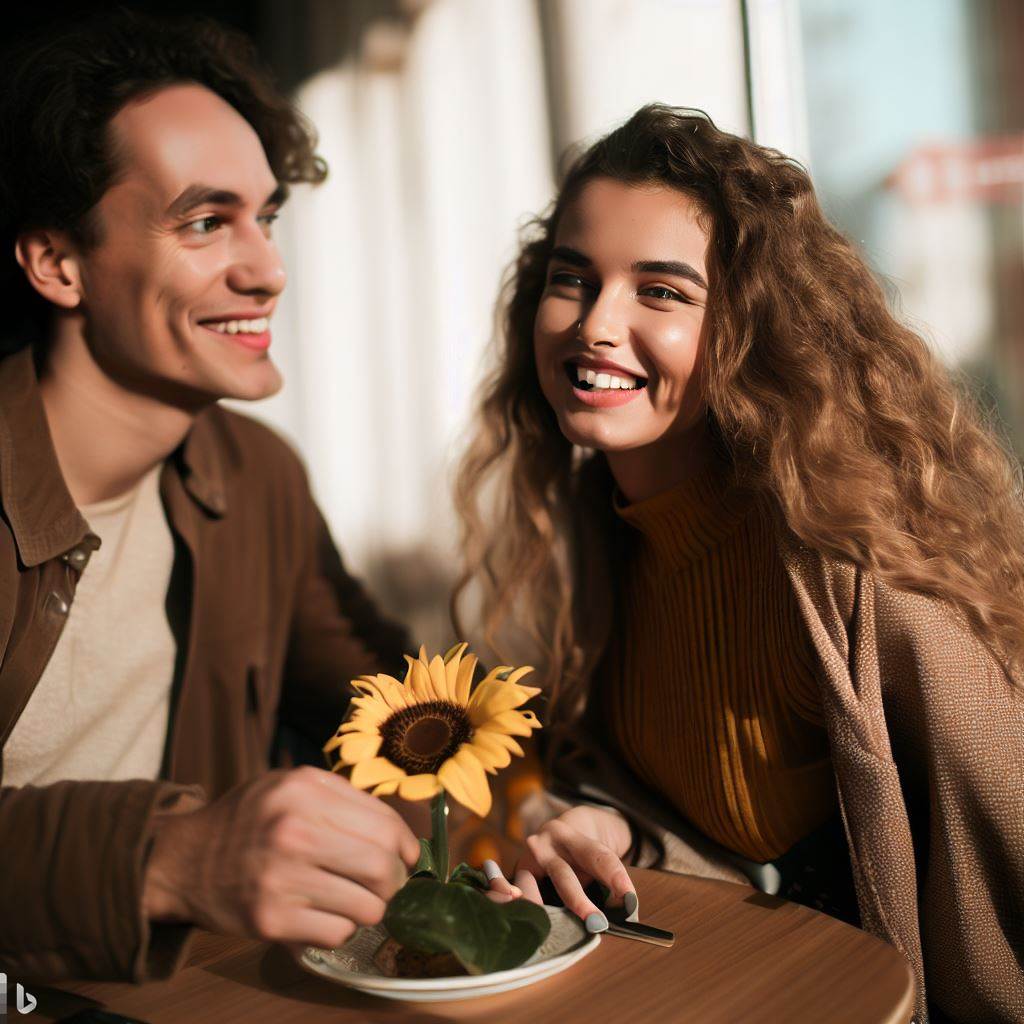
x,y
605,399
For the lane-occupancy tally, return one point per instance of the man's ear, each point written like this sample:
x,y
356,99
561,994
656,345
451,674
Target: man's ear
x,y
49,263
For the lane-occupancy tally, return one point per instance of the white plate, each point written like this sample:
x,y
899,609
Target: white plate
x,y
352,965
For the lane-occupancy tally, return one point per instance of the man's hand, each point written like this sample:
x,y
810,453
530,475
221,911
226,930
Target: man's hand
x,y
583,844
300,857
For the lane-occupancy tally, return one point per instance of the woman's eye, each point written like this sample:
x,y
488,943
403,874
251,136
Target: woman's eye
x,y
663,293
267,220
204,226
567,279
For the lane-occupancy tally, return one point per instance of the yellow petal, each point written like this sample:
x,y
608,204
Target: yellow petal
x,y
513,723
463,776
356,747
439,679
490,752
455,652
464,682
334,741
359,724
511,675
386,788
371,708
373,772
493,696
452,660
382,688
419,787
421,687
501,738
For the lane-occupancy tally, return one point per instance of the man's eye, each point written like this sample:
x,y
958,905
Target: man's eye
x,y
267,220
663,293
204,226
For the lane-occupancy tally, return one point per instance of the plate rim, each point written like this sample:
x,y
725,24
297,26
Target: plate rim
x,y
454,983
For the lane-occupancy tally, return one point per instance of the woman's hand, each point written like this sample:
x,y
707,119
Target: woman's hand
x,y
580,845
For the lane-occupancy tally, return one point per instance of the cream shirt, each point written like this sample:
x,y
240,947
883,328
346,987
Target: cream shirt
x,y
100,708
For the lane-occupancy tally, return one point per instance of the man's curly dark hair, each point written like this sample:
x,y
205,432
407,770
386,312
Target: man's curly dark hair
x,y
58,96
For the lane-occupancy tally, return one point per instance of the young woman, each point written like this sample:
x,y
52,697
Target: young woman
x,y
773,558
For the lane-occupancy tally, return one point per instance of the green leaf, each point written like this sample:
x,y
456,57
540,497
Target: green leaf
x,y
465,875
425,865
432,917
528,926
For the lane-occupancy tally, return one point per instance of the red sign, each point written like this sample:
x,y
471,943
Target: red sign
x,y
984,170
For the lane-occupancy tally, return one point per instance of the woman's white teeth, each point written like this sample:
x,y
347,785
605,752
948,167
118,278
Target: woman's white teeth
x,y
605,381
241,326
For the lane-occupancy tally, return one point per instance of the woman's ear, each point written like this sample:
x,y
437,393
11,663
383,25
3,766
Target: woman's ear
x,y
51,267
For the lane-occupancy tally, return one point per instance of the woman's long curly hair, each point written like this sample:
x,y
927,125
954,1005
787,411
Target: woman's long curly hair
x,y
826,405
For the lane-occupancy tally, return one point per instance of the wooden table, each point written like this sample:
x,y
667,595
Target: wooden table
x,y
739,956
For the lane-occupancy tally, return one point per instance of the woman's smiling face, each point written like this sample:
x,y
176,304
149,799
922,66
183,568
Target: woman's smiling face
x,y
617,337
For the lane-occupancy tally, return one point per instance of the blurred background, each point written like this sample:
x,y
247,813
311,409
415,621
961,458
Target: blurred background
x,y
443,122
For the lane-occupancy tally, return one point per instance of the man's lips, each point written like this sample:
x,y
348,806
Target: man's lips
x,y
239,327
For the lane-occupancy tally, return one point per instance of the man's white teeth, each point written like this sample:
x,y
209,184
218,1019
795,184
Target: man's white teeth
x,y
605,381
241,326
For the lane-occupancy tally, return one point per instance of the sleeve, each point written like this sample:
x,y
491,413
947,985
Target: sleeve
x,y
958,739
337,634
582,769
74,857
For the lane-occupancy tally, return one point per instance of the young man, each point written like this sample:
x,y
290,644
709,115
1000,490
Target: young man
x,y
169,594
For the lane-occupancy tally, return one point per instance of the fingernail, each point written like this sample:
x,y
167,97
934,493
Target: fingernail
x,y
596,922
631,904
492,871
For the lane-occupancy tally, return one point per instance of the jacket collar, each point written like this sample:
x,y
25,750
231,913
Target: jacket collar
x,y
199,461
36,502
34,497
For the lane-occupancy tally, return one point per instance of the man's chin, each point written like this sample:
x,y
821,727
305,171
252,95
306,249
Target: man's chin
x,y
257,383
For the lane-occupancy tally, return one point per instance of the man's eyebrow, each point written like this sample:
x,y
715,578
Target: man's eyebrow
x,y
673,267
201,195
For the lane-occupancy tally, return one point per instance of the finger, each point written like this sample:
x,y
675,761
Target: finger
x,y
566,881
322,890
354,810
501,897
593,858
301,927
363,862
497,882
527,883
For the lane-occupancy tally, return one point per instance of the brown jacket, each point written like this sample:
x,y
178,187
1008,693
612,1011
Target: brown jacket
x,y
269,629
927,743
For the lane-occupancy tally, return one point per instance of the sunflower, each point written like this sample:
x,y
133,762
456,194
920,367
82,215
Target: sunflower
x,y
429,732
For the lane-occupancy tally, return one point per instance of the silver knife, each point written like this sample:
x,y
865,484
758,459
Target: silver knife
x,y
622,921
641,932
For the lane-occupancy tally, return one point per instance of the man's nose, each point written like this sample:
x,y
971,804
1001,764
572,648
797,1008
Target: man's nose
x,y
606,321
257,265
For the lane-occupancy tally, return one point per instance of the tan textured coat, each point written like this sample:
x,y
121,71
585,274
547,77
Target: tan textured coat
x,y
927,744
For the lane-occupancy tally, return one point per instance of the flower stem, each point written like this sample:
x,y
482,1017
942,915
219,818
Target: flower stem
x,y
439,834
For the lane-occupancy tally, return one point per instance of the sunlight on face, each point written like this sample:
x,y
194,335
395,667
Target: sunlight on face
x,y
617,332
185,252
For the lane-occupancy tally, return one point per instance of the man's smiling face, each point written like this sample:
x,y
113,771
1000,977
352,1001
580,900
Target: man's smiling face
x,y
176,294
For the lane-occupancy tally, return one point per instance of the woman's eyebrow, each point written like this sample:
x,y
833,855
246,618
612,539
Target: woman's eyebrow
x,y
674,267
571,256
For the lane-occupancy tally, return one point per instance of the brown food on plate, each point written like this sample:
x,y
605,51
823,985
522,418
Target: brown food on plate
x,y
395,961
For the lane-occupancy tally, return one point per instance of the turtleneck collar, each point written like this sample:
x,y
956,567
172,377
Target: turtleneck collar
x,y
681,524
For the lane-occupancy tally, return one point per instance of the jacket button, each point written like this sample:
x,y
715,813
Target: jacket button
x,y
56,603
78,557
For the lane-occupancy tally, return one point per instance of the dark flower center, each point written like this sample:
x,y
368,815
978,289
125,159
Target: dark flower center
x,y
421,738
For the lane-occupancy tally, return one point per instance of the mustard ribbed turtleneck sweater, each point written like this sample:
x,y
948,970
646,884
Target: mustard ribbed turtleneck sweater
x,y
710,689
